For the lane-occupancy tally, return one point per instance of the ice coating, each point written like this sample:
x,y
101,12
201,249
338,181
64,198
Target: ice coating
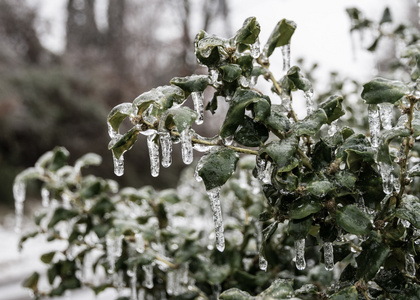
x,y
170,282
197,169
148,276
268,170
244,81
198,100
410,265
300,254
214,195
255,48
261,167
166,147
186,147
118,164
139,243
374,124
328,256
285,50
45,195
19,193
262,262
333,128
385,110
310,106
153,155
133,283
227,140
113,250
123,108
387,177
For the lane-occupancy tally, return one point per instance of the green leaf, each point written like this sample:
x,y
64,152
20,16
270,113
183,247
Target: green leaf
x,y
118,114
246,64
387,137
277,121
279,289
241,100
299,81
217,167
356,149
31,282
320,188
193,83
322,155
299,228
381,90
410,210
61,214
102,206
212,104
181,117
386,16
301,208
124,143
353,220
102,229
371,259
231,72
251,134
59,159
333,108
47,257
280,36
346,179
249,32
235,294
311,124
349,293
391,280
282,153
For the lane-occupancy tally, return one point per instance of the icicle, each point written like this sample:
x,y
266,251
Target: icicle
x,y
166,146
19,193
113,250
285,50
153,154
118,164
148,276
268,170
214,195
387,177
170,282
410,265
139,243
300,254
310,107
385,110
133,283
260,166
197,169
397,185
45,195
141,294
262,262
186,147
197,98
66,201
374,124
255,48
328,256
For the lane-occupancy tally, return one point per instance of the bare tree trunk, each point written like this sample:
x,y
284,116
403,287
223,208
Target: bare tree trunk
x,y
116,37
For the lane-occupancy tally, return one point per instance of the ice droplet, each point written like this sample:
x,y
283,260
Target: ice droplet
x,y
153,155
410,265
118,164
133,283
186,147
197,169
310,107
139,243
262,262
19,193
166,146
45,195
328,256
374,124
244,81
387,177
113,250
300,254
333,128
385,110
198,99
148,276
214,195
285,50
255,48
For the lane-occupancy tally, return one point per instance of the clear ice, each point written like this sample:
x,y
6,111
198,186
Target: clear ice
x,y
153,155
139,243
186,147
285,50
133,283
19,193
262,262
113,250
214,195
45,195
118,164
410,265
166,147
387,177
170,282
328,256
197,169
244,81
300,254
333,128
198,99
374,124
385,110
268,170
310,106
148,276
255,48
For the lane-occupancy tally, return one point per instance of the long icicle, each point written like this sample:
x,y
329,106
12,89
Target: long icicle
x,y
197,98
166,146
19,193
374,124
328,256
186,147
153,154
214,195
300,254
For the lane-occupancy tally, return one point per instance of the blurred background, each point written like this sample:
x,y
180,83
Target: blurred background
x,y
65,63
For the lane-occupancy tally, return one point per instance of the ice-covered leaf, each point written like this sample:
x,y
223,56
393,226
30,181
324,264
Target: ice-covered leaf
x,y
301,208
235,294
251,134
280,36
277,120
217,167
282,153
246,63
410,210
322,155
387,137
311,124
353,220
319,188
243,99
381,90
299,228
249,32
124,143
279,289
193,83
181,117
59,158
333,108
356,149
346,179
349,293
117,115
386,16
89,159
143,101
300,82
62,214
371,259
231,72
